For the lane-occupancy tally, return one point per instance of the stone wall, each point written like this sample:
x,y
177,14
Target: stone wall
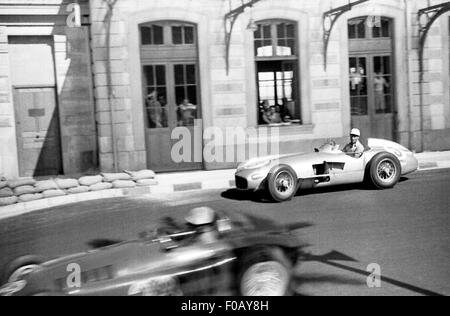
x,y
73,77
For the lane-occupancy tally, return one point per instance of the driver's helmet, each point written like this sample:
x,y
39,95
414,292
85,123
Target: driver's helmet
x,y
201,216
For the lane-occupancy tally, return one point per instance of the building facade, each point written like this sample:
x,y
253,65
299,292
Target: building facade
x,y
131,72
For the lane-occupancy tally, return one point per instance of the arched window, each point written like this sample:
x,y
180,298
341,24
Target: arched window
x,y
276,55
369,27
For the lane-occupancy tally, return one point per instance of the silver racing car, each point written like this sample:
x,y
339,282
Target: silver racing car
x,y
381,165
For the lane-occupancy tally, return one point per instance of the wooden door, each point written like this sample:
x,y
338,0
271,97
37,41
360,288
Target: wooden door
x,y
371,95
372,84
167,86
171,92
37,127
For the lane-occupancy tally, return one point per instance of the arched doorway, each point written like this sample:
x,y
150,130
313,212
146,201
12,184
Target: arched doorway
x,y
371,75
171,90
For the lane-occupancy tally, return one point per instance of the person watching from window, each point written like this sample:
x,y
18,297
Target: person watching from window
x,y
187,113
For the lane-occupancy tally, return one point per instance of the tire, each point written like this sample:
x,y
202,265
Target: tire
x,y
21,267
385,171
282,183
265,272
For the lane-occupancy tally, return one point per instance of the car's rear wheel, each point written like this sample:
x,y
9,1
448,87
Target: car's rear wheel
x,y
282,183
21,267
265,272
385,171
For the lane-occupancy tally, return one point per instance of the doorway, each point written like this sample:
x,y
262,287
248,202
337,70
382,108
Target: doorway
x,y
35,105
371,76
171,92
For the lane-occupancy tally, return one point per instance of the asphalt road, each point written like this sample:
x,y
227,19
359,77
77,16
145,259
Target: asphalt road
x,y
406,231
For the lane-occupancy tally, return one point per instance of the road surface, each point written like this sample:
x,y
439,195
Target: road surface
x,y
404,231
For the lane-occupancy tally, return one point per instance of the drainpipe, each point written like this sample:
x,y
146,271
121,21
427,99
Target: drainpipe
x,y
111,93
408,69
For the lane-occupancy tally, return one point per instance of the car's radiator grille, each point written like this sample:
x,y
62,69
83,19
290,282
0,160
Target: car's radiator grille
x,y
241,183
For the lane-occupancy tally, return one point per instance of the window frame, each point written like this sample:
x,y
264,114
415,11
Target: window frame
x,y
168,34
369,30
294,59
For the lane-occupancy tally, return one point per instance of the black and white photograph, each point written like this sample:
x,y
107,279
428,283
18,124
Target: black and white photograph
x,y
230,149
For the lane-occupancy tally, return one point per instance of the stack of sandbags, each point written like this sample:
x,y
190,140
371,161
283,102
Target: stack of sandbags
x,y
30,197
5,201
86,183
6,194
96,183
45,185
124,184
143,177
119,180
101,186
3,183
24,190
111,177
60,189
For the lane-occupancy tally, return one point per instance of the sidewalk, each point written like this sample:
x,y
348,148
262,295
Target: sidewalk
x,y
434,160
183,181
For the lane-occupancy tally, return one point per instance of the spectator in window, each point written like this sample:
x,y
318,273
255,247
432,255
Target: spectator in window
x,y
380,83
265,113
276,115
163,102
285,114
154,110
187,113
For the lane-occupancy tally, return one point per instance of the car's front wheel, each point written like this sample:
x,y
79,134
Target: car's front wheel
x,y
282,183
385,171
265,272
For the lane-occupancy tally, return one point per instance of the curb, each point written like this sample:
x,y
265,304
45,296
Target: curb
x,y
28,207
424,166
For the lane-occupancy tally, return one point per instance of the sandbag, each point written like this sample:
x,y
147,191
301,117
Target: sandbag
x,y
3,184
123,184
20,182
45,185
67,183
24,189
77,190
146,182
141,175
90,180
111,177
30,197
6,192
53,193
5,201
101,186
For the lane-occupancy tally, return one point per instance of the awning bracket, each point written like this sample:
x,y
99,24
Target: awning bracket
x,y
329,20
229,21
426,17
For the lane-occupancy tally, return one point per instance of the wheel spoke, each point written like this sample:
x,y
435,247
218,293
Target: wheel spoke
x,y
386,170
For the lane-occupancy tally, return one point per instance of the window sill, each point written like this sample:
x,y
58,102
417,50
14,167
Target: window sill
x,y
288,129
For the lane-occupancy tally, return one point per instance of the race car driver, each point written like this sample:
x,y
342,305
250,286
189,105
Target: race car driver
x,y
354,148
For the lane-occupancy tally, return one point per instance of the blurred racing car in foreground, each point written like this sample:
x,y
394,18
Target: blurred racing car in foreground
x,y
214,254
381,165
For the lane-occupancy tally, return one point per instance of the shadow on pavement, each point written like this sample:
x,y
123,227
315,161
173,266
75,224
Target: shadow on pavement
x,y
331,257
264,197
238,195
